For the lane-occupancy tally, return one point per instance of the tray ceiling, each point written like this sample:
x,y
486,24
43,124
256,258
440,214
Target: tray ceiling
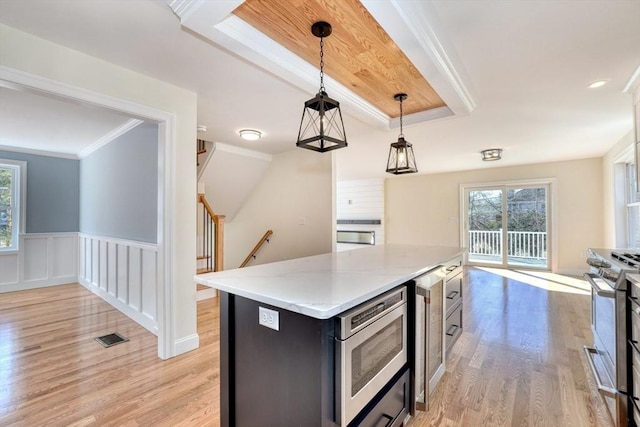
x,y
359,53
377,49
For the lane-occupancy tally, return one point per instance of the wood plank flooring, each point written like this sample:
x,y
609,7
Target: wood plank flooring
x,y
53,372
518,362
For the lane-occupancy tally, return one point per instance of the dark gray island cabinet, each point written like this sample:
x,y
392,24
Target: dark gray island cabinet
x,y
326,340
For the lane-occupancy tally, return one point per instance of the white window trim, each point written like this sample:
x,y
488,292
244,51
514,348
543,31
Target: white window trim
x,y
621,196
552,204
21,202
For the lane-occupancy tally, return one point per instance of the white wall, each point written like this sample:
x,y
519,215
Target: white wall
x,y
295,200
424,209
230,176
132,91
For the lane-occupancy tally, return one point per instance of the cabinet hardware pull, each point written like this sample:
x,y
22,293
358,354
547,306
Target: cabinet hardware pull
x,y
452,294
388,417
452,330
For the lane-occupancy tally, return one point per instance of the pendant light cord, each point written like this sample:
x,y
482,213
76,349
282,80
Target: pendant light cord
x,y
321,65
401,133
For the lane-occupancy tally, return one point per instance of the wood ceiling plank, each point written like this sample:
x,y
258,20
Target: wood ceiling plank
x,y
359,53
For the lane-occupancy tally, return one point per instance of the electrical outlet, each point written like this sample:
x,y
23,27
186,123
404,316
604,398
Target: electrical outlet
x,y
269,318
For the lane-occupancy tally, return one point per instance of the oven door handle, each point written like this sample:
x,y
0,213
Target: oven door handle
x,y
605,390
600,286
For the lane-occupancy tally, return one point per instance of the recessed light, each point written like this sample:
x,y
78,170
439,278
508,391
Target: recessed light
x,y
597,84
250,134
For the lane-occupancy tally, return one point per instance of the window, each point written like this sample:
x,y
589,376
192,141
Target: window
x,y
632,207
508,224
11,185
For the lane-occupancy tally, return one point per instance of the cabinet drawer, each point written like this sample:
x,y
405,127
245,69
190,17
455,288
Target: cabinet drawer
x,y
391,409
453,327
453,268
453,293
635,292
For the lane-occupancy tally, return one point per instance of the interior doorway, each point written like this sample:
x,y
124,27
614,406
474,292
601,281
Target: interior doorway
x,y
508,225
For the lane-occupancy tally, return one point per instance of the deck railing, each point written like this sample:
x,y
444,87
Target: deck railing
x,y
522,244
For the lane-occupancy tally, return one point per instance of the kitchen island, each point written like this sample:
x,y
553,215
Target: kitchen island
x,y
277,321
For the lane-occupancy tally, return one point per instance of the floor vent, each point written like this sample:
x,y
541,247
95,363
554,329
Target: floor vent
x,y
111,339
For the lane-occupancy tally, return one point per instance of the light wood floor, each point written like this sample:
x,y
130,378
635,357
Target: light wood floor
x,y
518,363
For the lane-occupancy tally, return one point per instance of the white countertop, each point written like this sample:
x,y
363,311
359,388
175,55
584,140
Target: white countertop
x,y
324,285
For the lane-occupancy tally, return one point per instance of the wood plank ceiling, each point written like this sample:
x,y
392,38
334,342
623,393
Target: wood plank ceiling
x,y
359,54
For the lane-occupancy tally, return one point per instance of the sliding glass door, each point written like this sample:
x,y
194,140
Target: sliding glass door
x,y
507,225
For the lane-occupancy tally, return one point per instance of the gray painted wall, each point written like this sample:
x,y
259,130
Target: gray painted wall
x,y
119,187
53,192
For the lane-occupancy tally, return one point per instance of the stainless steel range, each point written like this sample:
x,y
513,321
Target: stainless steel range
x,y
610,356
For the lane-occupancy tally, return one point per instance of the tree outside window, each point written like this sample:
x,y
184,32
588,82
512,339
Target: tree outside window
x,y
8,199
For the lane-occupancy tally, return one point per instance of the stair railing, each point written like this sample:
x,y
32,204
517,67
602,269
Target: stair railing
x,y
256,248
213,236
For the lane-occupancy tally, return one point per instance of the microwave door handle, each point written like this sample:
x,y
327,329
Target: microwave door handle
x,y
600,286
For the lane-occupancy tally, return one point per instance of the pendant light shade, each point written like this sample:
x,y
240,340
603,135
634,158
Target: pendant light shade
x,y
401,158
321,127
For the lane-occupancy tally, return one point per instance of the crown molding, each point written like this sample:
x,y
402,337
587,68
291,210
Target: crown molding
x,y
413,26
115,133
38,152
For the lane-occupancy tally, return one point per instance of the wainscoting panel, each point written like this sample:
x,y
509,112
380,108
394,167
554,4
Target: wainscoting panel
x,y
65,249
9,268
43,259
112,271
123,273
36,258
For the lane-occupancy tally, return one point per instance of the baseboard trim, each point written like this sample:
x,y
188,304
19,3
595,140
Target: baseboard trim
x,y
186,344
36,284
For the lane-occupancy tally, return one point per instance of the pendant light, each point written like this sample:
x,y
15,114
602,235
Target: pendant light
x,y
401,158
321,127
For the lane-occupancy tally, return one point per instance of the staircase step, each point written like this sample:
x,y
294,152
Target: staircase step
x,y
203,257
204,270
200,287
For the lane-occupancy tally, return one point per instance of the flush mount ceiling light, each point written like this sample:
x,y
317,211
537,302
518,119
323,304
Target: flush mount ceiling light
x,y
201,128
321,127
401,159
250,134
597,84
491,154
